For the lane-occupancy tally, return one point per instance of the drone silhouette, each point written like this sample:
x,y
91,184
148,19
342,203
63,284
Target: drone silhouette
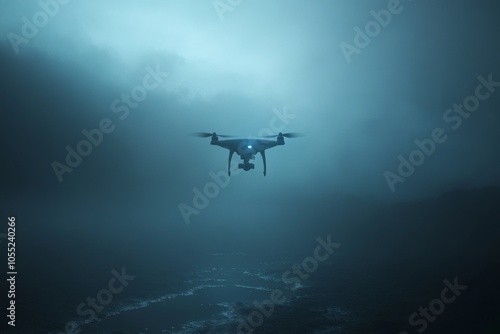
x,y
247,148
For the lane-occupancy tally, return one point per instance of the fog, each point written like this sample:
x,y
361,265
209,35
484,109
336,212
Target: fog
x,y
247,69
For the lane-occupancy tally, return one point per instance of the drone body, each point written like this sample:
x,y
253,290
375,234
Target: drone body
x,y
247,148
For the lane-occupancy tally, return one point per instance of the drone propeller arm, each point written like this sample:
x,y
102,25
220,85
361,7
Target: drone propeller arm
x,y
263,153
231,152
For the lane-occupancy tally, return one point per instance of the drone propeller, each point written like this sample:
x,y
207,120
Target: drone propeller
x,y
287,135
206,135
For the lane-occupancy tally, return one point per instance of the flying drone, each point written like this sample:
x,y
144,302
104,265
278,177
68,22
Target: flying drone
x,y
247,148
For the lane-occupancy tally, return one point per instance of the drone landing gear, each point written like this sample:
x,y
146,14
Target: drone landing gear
x,y
229,163
263,153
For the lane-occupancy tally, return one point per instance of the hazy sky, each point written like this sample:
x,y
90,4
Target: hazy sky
x,y
231,71
369,82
